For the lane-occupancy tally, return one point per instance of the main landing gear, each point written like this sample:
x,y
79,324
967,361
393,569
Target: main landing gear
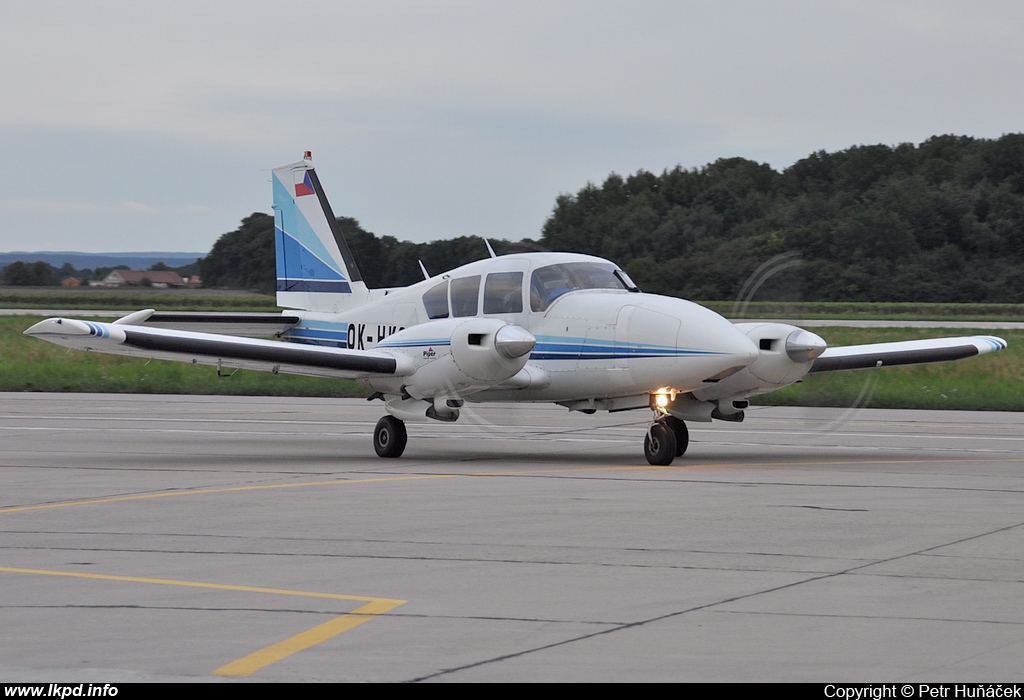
x,y
666,439
389,437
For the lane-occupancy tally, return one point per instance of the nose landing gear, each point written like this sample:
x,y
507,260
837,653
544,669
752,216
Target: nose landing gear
x,y
666,439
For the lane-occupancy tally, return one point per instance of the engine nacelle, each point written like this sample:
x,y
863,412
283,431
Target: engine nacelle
x,y
453,357
785,355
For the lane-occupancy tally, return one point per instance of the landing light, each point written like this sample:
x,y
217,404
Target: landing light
x,y
663,397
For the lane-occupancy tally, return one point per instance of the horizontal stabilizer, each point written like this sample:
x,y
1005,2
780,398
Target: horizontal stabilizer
x,y
225,323
907,352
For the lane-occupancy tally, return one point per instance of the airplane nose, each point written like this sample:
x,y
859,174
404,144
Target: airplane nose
x,y
724,348
736,349
746,351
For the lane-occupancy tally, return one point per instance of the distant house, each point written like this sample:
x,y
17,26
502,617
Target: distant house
x,y
71,282
160,279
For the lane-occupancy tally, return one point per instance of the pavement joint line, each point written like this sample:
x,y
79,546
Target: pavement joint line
x,y
249,664
414,477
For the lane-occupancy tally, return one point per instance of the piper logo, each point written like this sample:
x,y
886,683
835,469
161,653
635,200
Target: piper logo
x,y
429,354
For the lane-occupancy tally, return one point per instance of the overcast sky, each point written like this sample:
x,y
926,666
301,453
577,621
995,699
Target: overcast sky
x,y
129,126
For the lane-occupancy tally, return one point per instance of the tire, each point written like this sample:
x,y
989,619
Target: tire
x,y
682,434
660,445
389,437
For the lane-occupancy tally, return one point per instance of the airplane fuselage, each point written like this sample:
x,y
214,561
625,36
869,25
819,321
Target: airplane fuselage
x,y
596,340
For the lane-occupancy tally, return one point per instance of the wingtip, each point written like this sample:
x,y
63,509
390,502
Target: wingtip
x,y
990,343
56,326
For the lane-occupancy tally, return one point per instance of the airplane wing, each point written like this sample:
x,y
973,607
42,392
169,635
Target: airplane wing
x,y
226,351
908,352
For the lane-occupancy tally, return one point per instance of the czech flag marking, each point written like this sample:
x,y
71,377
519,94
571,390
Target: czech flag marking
x,y
305,186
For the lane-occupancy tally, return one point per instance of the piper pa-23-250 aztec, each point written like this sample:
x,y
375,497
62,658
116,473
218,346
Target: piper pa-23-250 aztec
x,y
536,327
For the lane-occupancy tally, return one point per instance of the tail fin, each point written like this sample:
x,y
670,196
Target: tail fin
x,y
315,268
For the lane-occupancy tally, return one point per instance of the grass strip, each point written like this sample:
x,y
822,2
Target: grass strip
x,y
131,300
233,300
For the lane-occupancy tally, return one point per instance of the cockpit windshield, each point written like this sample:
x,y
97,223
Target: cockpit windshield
x,y
552,281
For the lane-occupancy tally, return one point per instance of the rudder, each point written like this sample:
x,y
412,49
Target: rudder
x,y
315,267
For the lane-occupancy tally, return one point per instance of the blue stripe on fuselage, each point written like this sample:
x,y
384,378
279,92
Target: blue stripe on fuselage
x,y
556,348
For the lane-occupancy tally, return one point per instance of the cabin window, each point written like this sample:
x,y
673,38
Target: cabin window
x,y
435,301
503,293
552,281
465,296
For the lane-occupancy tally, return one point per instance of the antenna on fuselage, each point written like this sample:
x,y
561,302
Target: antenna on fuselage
x,y
423,269
489,248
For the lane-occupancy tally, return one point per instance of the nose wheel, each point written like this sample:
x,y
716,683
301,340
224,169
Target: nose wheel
x,y
389,437
666,439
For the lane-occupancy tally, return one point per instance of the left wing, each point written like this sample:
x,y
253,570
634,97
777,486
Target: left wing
x,y
220,350
907,352
788,353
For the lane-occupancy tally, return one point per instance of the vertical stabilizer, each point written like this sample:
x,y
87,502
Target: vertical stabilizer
x,y
315,268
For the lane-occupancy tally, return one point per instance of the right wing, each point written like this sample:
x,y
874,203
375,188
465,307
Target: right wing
x,y
907,352
220,350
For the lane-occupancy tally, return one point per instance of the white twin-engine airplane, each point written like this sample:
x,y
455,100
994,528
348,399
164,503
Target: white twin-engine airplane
x,y
535,327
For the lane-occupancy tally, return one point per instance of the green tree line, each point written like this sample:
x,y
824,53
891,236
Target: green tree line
x,y
244,258
941,221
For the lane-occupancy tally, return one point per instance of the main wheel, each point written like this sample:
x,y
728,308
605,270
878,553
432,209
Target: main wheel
x,y
389,437
660,445
682,434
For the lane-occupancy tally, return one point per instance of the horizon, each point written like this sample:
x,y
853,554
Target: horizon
x,y
114,252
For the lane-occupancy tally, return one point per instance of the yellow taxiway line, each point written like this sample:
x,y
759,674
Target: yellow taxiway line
x,y
253,662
